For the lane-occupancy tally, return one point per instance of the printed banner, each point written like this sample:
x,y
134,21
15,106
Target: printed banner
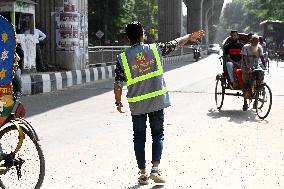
x,y
7,49
68,31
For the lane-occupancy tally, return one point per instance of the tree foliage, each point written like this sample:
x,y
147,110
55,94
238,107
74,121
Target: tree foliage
x,y
266,9
246,15
108,16
111,16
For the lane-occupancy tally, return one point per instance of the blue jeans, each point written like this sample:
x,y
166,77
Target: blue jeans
x,y
156,120
230,69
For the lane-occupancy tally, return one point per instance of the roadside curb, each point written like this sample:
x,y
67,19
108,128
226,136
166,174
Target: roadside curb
x,y
48,82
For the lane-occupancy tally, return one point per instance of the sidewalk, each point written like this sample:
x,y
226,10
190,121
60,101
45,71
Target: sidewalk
x,y
52,81
36,83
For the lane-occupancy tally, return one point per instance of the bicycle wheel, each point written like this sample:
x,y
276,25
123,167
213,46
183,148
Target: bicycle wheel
x,y
26,168
263,100
219,92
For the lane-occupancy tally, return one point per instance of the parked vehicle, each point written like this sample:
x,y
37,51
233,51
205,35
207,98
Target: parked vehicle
x,y
213,48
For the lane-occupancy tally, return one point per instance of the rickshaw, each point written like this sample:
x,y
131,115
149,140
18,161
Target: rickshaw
x,y
260,92
22,163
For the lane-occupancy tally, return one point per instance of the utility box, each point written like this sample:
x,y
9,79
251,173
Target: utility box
x,y
21,13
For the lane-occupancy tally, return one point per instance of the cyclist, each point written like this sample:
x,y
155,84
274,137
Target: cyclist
x,y
251,53
232,55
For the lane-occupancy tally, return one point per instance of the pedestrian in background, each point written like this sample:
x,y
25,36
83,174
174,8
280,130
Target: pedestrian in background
x,y
140,66
39,36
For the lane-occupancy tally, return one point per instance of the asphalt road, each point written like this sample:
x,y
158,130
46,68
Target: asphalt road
x,y
87,144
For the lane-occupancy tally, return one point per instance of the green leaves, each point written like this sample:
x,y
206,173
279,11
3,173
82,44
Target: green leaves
x,y
266,9
111,16
245,15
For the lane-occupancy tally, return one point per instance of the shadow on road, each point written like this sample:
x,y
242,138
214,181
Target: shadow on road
x,y
36,104
138,186
134,187
236,116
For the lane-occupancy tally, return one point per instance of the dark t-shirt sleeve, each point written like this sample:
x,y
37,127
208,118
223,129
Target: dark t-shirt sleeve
x,y
226,50
168,47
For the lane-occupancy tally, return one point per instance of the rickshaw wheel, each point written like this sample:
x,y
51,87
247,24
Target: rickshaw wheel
x,y
219,91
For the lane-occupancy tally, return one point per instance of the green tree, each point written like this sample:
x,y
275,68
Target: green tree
x,y
111,16
231,18
146,11
246,15
266,9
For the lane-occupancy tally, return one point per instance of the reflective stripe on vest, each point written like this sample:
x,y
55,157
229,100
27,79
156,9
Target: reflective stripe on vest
x,y
148,95
130,80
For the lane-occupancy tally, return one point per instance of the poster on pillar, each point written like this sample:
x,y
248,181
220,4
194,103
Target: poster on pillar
x,y
70,6
68,31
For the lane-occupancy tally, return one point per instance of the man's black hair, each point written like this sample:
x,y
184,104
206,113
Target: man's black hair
x,y
234,31
134,31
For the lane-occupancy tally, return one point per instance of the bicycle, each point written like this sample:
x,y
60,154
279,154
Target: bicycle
x,y
260,92
22,163
19,149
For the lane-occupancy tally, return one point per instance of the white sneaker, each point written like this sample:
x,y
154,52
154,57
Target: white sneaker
x,y
143,179
156,175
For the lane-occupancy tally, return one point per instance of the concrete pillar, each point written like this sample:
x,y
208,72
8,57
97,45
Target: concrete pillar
x,y
169,19
65,24
71,35
206,14
46,23
194,15
214,21
208,27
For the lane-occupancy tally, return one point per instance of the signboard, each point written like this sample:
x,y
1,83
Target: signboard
x,y
100,34
25,7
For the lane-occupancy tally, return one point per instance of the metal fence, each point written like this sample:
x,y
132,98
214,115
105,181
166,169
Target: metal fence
x,y
104,54
107,55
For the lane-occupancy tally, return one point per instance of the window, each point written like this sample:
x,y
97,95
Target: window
x,y
24,23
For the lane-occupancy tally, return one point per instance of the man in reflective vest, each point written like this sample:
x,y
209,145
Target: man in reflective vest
x,y
141,68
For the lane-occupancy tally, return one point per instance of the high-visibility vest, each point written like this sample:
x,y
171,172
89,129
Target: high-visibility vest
x,y
138,80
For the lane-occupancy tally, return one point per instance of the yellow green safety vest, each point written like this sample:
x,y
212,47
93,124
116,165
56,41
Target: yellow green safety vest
x,y
132,81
